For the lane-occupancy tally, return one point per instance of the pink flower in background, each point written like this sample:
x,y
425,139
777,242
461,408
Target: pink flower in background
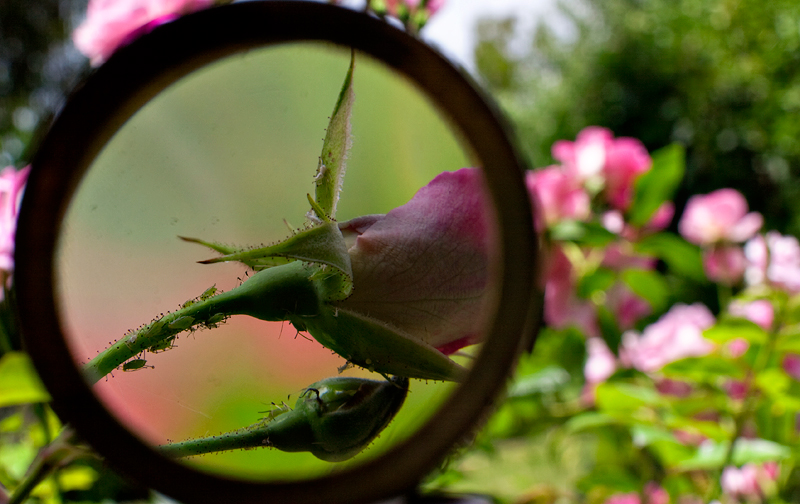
x,y
655,493
750,480
423,267
759,311
737,347
12,184
724,264
628,498
675,388
110,24
600,362
718,216
562,307
557,197
603,162
791,364
736,389
676,335
773,259
627,307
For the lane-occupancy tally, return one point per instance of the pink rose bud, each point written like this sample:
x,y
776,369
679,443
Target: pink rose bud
x,y
719,216
423,267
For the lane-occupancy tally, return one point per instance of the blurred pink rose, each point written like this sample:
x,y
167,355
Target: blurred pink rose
x,y
736,389
557,197
627,307
655,494
562,307
759,311
724,264
737,347
676,335
750,480
628,498
661,218
600,362
718,216
773,259
791,364
675,388
110,24
423,267
12,185
603,162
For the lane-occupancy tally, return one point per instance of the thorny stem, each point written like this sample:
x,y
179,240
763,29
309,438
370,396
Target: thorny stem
x,y
271,294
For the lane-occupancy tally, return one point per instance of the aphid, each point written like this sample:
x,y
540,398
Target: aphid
x,y
134,364
208,293
279,409
181,323
163,346
321,171
188,303
215,319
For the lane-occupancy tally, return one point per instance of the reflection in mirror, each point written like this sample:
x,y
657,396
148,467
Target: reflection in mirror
x,y
299,300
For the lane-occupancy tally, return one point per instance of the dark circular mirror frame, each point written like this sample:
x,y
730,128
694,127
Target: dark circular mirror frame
x,y
138,72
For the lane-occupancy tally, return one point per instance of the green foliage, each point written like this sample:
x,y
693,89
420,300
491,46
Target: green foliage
x,y
721,78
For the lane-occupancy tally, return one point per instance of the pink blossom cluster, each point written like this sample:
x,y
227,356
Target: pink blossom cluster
x,y
676,335
773,260
750,480
594,169
110,24
719,222
595,163
653,493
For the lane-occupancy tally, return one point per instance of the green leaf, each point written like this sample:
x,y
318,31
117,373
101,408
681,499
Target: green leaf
x,y
600,280
680,256
706,369
19,383
735,329
589,420
657,185
624,397
333,159
649,285
545,381
373,345
711,455
583,233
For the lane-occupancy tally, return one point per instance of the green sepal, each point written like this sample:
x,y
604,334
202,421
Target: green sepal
x,y
322,244
333,159
334,419
378,347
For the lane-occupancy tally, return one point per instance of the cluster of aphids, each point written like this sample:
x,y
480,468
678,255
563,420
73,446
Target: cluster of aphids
x,y
157,326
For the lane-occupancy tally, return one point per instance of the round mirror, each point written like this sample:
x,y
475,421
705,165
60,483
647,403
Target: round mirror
x,y
223,140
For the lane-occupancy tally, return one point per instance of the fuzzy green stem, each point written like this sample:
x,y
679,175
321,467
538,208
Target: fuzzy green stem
x,y
272,294
253,436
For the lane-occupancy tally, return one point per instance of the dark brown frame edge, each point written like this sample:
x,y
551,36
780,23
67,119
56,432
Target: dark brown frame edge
x,y
135,74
